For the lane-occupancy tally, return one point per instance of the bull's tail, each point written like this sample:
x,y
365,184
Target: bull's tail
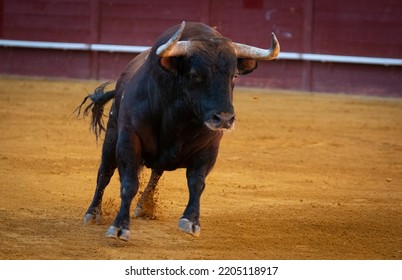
x,y
98,101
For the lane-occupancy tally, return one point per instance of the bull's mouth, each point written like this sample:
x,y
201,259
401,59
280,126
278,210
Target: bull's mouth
x,y
221,122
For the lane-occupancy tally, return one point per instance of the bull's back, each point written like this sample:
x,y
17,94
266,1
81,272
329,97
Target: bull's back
x,y
131,69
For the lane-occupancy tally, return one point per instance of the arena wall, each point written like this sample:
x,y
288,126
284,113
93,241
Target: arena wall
x,y
327,46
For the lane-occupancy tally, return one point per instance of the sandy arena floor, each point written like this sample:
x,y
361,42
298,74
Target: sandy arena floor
x,y
303,176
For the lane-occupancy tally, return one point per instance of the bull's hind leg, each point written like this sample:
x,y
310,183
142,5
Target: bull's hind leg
x,y
146,204
128,154
105,172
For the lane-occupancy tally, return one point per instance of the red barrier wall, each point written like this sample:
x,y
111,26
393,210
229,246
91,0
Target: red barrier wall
x,y
353,28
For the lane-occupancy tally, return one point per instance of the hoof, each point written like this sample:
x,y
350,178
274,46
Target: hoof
x,y
189,227
124,235
112,232
117,233
92,219
147,214
138,212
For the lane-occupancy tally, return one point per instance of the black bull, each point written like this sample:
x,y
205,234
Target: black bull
x,y
171,106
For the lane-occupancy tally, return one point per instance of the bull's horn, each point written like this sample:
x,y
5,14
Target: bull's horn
x,y
245,51
173,47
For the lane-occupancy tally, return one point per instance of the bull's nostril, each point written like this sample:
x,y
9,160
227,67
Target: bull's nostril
x,y
216,119
222,120
232,119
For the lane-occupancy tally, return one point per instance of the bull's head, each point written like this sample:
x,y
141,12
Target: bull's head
x,y
206,70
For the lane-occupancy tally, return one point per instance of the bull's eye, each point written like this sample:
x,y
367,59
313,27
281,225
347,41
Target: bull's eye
x,y
194,77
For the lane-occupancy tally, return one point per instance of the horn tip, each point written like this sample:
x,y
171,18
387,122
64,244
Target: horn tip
x,y
273,37
171,43
275,45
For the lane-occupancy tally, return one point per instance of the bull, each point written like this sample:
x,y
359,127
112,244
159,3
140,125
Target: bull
x,y
171,106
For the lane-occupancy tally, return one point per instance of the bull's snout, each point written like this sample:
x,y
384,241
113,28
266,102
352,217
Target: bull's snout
x,y
221,121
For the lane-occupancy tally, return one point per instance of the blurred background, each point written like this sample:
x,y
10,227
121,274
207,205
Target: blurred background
x,y
352,47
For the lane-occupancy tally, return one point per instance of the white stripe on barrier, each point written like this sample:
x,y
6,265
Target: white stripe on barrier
x,y
139,49
341,58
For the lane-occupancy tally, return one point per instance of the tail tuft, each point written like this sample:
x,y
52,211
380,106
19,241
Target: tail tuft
x,y
98,101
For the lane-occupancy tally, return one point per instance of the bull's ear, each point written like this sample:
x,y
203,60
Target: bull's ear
x,y
169,64
246,65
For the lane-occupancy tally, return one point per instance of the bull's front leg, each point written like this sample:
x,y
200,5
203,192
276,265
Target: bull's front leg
x,y
196,175
128,154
